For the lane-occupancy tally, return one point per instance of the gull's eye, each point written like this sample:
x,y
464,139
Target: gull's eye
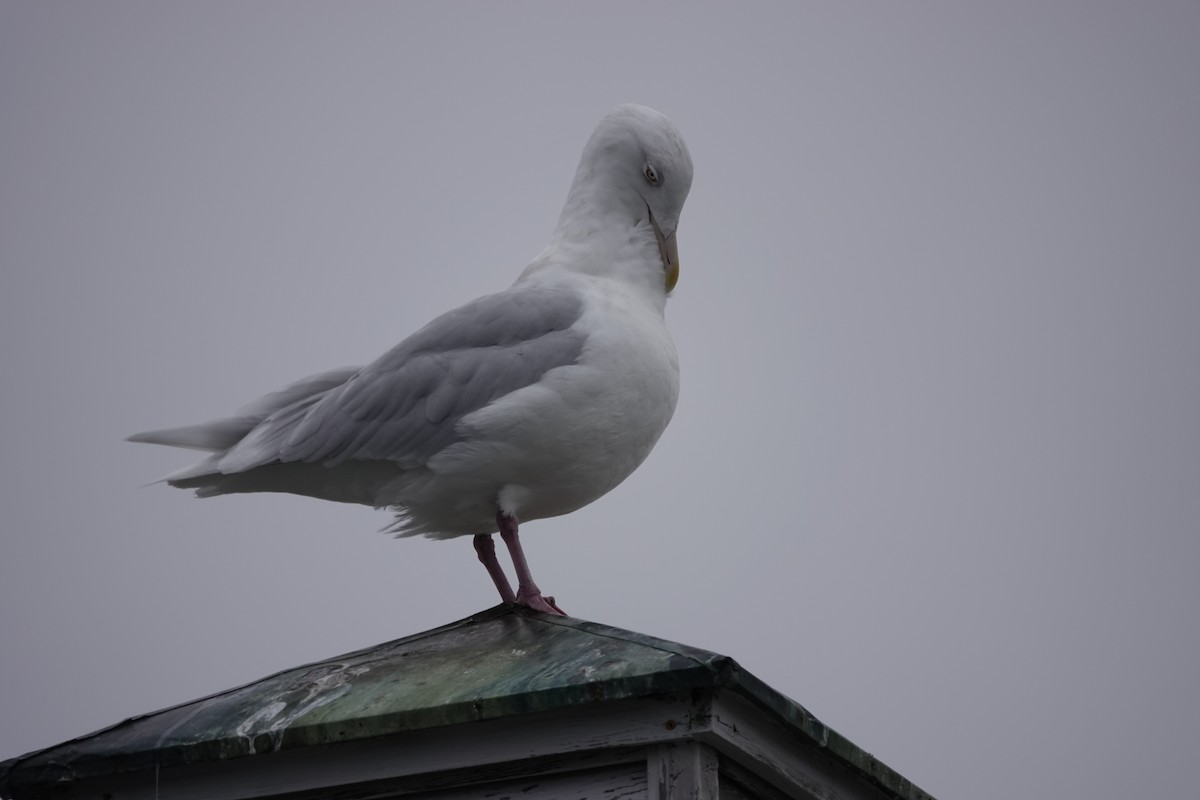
x,y
651,175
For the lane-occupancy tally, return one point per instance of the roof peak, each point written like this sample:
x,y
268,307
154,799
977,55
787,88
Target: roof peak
x,y
500,664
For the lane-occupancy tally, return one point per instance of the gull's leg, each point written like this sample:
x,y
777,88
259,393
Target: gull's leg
x,y
485,548
528,593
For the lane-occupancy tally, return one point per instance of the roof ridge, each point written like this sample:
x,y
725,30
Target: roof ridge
x,y
632,637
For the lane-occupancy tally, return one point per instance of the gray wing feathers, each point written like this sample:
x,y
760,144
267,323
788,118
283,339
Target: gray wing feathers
x,y
313,385
222,434
406,406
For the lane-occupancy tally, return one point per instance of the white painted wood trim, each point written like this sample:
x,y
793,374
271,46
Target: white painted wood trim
x,y
685,770
743,733
474,745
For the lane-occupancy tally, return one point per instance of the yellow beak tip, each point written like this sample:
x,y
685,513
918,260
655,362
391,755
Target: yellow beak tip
x,y
672,276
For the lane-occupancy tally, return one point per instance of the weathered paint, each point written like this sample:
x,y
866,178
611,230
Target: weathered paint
x,y
503,662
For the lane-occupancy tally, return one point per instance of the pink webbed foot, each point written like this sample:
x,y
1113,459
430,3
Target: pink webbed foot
x,y
539,603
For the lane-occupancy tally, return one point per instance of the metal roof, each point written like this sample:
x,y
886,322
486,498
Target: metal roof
x,y
505,661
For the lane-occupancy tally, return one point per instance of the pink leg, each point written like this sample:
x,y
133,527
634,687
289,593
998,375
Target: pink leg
x,y
528,593
485,548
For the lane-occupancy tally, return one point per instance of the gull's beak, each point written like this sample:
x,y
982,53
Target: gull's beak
x,y
670,255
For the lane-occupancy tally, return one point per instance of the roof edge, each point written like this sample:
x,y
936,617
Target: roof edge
x,y
708,670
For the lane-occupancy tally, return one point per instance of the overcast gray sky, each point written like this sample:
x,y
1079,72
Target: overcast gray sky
x,y
935,471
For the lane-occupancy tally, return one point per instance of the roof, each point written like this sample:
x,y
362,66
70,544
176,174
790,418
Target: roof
x,y
502,662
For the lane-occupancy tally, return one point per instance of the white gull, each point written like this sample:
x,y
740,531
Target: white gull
x,y
521,405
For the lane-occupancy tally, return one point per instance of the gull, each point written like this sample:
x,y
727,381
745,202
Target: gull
x,y
525,404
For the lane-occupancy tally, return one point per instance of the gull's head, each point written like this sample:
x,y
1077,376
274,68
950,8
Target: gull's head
x,y
637,167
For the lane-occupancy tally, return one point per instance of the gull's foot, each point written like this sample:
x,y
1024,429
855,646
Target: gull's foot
x,y
538,603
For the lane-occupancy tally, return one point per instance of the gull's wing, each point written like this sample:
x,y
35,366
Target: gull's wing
x,y
221,434
406,406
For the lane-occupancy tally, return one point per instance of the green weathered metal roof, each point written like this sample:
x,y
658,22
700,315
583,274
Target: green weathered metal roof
x,y
504,661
